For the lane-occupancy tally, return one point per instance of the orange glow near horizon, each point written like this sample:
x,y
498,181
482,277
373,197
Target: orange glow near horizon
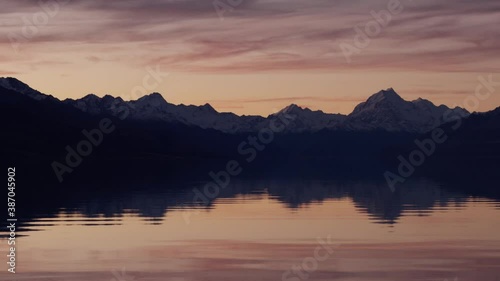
x,y
263,94
263,56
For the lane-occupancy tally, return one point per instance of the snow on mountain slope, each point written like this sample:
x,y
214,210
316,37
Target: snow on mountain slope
x,y
306,120
20,87
385,110
155,107
205,116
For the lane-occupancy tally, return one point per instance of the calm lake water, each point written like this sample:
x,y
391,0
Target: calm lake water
x,y
263,230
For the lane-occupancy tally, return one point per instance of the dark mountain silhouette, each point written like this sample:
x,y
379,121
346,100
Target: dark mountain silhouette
x,y
385,110
158,140
472,150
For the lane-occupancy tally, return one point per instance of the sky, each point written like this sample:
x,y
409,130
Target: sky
x,y
255,56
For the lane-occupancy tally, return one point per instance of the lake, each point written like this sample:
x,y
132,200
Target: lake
x,y
262,230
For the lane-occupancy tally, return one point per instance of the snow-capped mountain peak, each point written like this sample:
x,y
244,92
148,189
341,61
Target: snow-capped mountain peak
x,y
388,95
292,108
384,110
208,108
383,98
153,99
307,120
20,87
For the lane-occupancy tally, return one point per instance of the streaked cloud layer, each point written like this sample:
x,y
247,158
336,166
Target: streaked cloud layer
x,y
258,37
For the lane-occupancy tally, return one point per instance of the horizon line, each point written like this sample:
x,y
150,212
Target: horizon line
x,y
257,100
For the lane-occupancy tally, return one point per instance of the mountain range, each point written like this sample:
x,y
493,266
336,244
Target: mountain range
x,y
160,140
384,110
